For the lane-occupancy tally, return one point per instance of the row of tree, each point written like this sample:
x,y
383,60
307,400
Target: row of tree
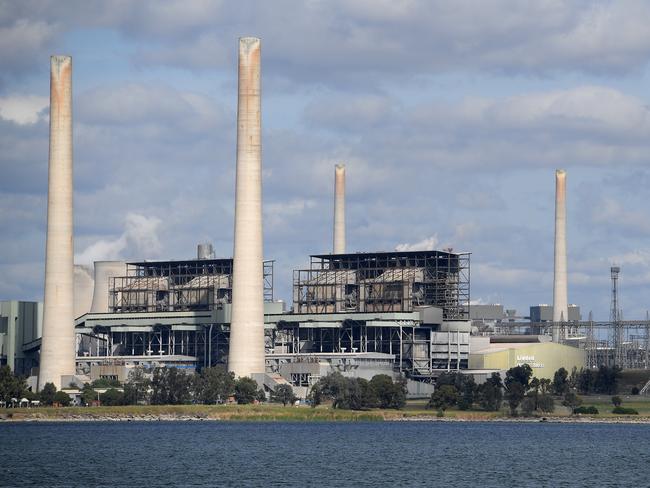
x,y
358,393
518,388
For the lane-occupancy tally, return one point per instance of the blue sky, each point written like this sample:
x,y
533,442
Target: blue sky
x,y
450,116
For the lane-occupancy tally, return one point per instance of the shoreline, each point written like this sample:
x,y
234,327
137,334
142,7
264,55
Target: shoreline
x,y
189,413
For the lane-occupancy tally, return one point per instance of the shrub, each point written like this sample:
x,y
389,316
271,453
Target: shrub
x,y
444,397
62,398
591,410
635,390
616,400
624,411
111,397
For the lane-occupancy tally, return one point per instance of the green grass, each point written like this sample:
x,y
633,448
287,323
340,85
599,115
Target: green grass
x,y
272,412
604,404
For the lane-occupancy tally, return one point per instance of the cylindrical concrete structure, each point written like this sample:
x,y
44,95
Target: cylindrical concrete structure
x,y
83,289
104,271
560,295
339,209
246,356
205,251
58,341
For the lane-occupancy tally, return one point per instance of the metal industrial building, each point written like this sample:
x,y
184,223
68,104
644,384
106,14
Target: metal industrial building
x,y
501,353
21,324
391,312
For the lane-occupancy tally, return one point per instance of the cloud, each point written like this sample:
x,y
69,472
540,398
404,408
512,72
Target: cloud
x,y
25,109
343,43
140,238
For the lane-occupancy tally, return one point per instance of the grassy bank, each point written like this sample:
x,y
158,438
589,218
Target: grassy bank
x,y
206,412
414,410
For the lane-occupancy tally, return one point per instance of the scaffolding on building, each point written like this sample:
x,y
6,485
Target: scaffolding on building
x,y
168,286
384,282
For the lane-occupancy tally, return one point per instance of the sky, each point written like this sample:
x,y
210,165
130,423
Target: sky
x,y
451,118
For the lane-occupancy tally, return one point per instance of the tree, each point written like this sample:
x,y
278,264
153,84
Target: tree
x,y
606,381
245,390
47,394
315,395
283,394
490,394
170,387
444,397
616,401
560,382
571,400
11,386
106,383
62,398
88,394
467,393
390,394
546,403
519,374
260,396
214,385
136,388
111,397
515,393
585,381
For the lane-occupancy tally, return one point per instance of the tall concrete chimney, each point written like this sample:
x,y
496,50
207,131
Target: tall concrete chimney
x,y
339,209
58,341
104,271
560,300
247,322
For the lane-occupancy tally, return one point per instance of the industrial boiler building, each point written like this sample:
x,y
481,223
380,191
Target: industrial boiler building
x,y
361,314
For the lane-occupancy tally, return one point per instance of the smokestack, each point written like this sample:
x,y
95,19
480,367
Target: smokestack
x,y
104,271
247,322
205,251
58,341
83,289
560,300
339,209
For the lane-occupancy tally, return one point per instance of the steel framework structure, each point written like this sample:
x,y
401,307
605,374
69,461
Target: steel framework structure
x,y
166,286
384,282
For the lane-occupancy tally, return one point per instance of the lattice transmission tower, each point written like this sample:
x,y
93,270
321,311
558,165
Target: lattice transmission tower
x,y
615,318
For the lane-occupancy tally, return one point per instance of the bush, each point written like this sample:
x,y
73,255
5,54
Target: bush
x,y
616,401
624,411
389,394
62,398
245,390
111,398
47,394
591,410
444,397
283,394
635,390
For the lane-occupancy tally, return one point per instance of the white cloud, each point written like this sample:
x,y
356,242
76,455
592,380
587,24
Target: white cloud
x,y
23,109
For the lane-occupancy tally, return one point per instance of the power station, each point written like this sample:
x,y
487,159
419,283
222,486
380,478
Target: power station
x,y
404,313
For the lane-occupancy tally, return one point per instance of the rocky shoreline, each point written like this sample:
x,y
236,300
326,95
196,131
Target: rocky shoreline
x,y
90,417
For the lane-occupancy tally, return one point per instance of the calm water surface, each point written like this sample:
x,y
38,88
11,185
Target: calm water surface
x,y
159,454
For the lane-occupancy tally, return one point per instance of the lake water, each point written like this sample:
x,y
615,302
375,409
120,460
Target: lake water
x,y
162,454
